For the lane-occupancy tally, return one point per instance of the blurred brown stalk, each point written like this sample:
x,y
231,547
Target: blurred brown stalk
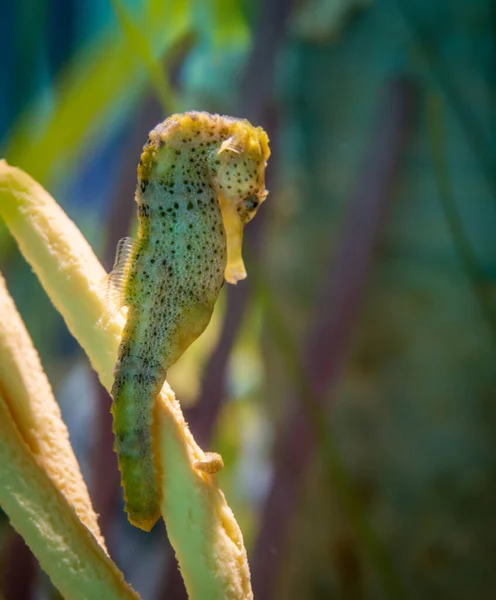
x,y
327,346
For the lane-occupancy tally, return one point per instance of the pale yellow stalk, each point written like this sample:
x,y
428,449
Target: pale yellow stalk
x,y
67,550
28,394
207,540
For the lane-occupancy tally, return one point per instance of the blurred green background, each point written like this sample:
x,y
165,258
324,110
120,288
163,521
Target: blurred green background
x,y
349,382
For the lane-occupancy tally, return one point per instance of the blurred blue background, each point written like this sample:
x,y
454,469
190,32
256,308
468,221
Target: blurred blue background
x,y
349,383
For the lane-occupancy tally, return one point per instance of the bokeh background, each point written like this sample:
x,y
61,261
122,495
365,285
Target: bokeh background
x,y
349,382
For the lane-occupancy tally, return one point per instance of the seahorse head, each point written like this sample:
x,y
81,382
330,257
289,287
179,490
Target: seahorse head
x,y
239,179
240,174
231,153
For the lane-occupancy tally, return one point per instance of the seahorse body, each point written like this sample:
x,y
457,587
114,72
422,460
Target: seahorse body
x,y
200,179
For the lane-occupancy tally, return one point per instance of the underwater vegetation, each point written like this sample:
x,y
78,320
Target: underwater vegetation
x,y
330,434
72,276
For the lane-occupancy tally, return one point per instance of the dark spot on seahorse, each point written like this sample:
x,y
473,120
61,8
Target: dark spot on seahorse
x,y
176,205
190,206
143,210
188,247
144,184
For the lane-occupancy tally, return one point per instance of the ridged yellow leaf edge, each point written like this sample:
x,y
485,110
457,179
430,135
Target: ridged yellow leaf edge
x,y
201,526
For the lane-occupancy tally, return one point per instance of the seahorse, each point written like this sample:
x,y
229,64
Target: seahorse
x,y
201,178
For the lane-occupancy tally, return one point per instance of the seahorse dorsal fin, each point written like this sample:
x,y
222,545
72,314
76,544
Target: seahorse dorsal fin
x,y
116,280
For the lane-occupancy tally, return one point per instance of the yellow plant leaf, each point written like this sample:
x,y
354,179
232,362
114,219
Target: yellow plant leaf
x,y
103,79
28,394
139,44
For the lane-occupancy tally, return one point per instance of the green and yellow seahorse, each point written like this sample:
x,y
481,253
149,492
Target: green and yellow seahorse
x,y
201,178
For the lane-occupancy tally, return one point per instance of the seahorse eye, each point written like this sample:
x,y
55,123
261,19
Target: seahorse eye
x,y
251,203
247,208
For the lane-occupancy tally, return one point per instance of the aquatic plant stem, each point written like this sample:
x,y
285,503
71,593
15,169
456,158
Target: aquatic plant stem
x,y
66,549
460,240
484,155
139,44
104,75
27,391
202,529
327,346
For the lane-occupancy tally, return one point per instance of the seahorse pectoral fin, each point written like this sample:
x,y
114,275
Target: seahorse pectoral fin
x,y
235,267
116,279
